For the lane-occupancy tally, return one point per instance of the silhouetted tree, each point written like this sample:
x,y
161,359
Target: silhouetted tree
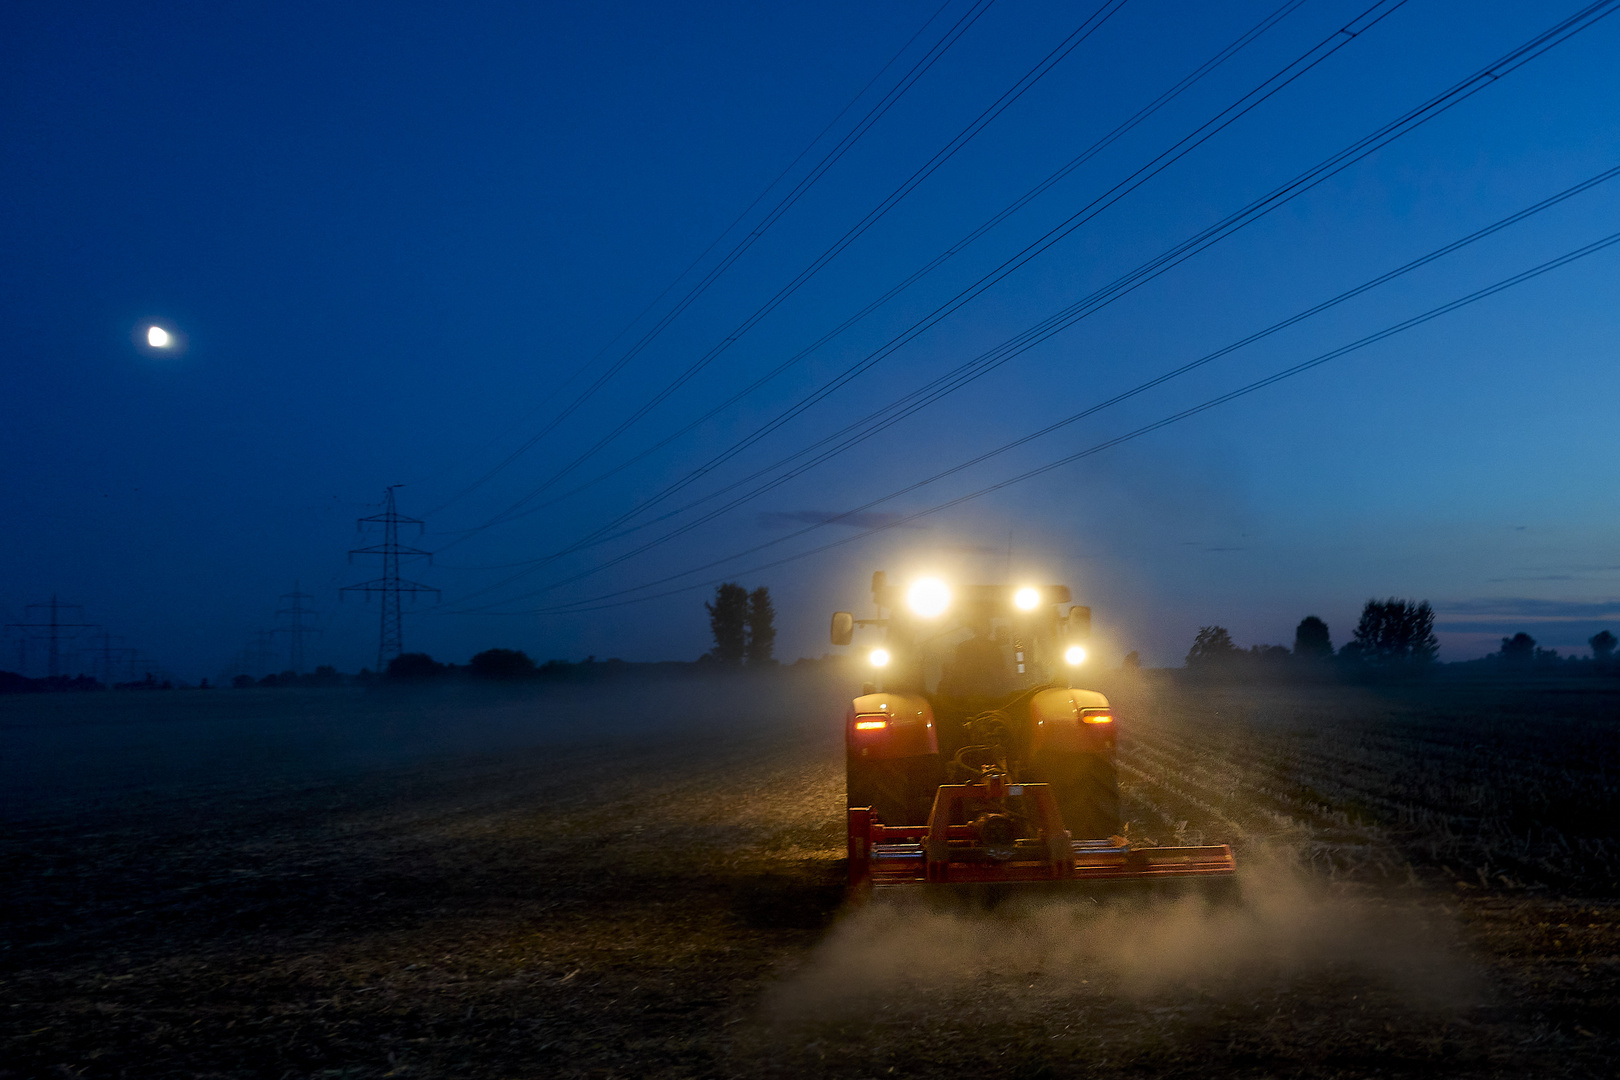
x,y
1394,632
1268,656
501,664
413,666
1311,639
1132,661
1603,644
761,627
1212,648
324,675
728,622
1518,651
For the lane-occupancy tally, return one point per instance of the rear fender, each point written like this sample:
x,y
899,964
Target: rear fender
x,y
882,726
1071,721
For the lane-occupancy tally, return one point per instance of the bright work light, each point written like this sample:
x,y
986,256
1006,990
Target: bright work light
x,y
1027,599
1075,655
929,597
879,657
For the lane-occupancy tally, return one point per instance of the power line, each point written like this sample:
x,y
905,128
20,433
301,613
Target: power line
x,y
390,639
876,113
1244,104
1101,297
1381,279
692,266
597,603
933,264
872,430
944,154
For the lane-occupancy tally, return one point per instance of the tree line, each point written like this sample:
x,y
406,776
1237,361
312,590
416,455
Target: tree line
x,y
1393,637
742,624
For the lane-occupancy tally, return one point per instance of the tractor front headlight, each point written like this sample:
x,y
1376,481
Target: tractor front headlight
x,y
928,597
1074,656
879,657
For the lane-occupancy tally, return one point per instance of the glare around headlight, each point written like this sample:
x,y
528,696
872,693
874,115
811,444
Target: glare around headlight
x,y
879,657
1075,655
929,597
1027,599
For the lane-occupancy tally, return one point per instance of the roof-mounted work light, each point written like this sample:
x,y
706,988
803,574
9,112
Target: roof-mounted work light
x,y
928,597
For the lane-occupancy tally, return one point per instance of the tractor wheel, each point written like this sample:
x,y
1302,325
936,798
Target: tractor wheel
x,y
1087,791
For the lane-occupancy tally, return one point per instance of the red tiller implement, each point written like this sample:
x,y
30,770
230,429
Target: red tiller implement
x,y
973,764
941,853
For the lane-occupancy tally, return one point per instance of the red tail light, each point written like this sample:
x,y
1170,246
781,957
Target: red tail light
x,y
1097,717
870,725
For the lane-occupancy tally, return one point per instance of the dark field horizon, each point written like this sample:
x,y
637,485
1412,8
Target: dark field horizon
x,y
646,879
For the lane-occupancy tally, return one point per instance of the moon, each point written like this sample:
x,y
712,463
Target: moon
x,y
157,337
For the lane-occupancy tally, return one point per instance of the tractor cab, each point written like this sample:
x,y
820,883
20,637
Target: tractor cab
x,y
969,644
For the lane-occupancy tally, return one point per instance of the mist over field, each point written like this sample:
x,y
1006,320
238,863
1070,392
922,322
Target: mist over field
x,y
62,753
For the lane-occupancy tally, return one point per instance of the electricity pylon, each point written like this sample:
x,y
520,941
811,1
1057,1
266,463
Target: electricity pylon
x,y
108,655
296,629
390,641
53,628
262,652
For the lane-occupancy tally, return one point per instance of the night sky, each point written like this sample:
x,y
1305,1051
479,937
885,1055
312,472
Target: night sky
x,y
397,242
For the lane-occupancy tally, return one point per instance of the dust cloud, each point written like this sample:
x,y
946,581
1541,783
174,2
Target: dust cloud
x,y
1285,930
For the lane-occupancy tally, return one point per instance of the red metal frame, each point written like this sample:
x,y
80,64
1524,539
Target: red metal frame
x,y
942,853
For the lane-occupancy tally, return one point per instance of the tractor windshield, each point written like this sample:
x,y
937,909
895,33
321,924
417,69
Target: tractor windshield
x,y
985,646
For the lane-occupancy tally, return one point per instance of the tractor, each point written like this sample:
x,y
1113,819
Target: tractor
x,y
972,756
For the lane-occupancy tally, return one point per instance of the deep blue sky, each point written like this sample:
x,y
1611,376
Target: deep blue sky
x,y
389,232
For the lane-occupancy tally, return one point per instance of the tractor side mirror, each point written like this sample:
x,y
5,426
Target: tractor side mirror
x,y
1079,622
843,628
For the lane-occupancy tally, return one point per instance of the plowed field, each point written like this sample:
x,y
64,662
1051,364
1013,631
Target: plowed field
x,y
645,880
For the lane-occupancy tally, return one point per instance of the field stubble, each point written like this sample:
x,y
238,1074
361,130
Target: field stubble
x,y
1427,890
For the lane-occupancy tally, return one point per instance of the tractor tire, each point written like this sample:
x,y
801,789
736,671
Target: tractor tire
x,y
1087,790
899,790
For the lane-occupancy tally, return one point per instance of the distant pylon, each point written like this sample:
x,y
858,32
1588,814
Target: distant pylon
x,y
262,650
390,641
53,628
107,655
296,629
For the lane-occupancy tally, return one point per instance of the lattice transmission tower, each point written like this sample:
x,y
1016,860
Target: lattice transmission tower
x,y
108,656
55,631
293,625
390,641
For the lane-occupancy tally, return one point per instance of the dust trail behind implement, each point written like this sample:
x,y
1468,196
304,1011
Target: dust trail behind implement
x,y
1284,929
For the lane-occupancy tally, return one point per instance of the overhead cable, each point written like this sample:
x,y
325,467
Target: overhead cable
x,y
1316,309
927,169
933,264
1366,286
608,599
973,369
797,192
1271,86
